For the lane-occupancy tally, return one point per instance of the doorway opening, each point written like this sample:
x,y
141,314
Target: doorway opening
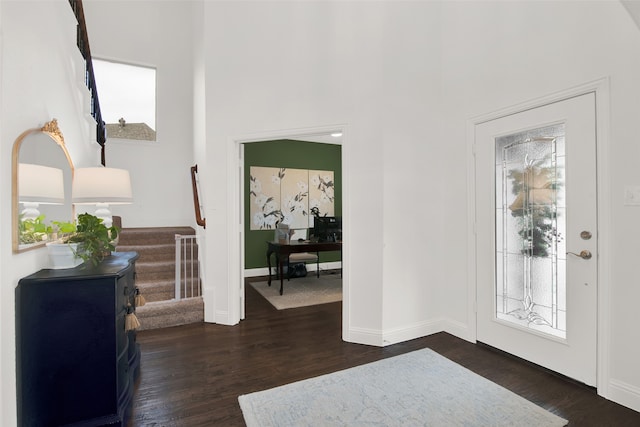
x,y
312,151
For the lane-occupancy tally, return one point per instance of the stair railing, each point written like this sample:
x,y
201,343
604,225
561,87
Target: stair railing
x,y
196,200
90,80
187,268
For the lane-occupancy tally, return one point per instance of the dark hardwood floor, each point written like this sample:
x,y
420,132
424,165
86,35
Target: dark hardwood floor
x,y
192,375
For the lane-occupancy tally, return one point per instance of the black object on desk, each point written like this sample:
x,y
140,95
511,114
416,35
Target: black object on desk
x,y
76,364
283,250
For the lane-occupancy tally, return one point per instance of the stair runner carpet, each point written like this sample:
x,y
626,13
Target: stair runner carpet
x,y
155,277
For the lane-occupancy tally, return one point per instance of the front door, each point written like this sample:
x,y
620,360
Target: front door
x,y
536,236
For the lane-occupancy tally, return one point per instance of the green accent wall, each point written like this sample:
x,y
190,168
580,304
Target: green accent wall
x,y
294,155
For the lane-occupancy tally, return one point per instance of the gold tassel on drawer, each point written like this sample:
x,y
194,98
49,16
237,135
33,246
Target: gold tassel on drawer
x,y
139,300
131,322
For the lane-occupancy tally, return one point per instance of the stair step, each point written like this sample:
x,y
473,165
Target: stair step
x,y
166,251
155,275
161,270
142,266
159,290
158,252
164,314
152,235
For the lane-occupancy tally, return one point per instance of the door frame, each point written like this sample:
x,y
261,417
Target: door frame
x,y
601,90
237,194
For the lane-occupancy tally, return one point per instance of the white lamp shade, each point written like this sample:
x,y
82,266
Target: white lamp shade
x,y
40,184
101,185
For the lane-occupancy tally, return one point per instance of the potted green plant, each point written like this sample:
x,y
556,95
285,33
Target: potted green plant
x,y
62,253
88,239
33,230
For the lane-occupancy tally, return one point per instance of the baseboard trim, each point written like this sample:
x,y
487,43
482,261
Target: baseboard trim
x,y
459,329
410,332
625,394
417,330
393,336
364,336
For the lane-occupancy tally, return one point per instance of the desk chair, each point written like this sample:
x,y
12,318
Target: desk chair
x,y
302,257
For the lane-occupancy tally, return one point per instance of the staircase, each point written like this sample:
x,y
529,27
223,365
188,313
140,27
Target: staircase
x,y
155,277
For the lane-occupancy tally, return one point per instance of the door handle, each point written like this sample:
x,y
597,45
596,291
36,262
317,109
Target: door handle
x,y
585,254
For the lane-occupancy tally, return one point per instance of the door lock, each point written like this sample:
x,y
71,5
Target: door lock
x,y
585,254
585,235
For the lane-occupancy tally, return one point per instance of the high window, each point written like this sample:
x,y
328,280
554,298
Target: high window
x,y
127,96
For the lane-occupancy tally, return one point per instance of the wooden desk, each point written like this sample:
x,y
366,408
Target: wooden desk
x,y
283,250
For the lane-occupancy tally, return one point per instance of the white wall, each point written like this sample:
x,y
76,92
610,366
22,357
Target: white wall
x,y
157,34
498,54
414,174
403,78
6,359
39,82
406,78
373,67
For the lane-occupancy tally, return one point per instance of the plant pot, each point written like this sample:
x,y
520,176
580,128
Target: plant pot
x,y
63,255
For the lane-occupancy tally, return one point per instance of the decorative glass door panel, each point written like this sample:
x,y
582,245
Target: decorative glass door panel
x,y
530,289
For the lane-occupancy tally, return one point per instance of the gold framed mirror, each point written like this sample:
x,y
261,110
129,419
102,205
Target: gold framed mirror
x,y
40,165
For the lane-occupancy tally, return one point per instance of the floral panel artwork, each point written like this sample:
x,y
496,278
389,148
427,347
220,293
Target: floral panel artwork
x,y
294,190
264,195
321,193
281,195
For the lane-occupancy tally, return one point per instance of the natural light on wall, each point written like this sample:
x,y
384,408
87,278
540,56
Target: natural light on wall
x,y
127,95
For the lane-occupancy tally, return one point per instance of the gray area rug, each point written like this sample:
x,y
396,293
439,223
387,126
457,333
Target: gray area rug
x,y
420,388
302,291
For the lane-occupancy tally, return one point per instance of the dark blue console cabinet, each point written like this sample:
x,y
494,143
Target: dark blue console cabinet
x,y
76,363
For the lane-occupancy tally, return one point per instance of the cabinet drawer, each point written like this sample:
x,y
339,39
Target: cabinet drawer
x,y
122,294
122,338
124,377
131,340
125,293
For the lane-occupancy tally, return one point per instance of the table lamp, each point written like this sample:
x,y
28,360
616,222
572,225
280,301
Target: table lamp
x,y
38,185
102,187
